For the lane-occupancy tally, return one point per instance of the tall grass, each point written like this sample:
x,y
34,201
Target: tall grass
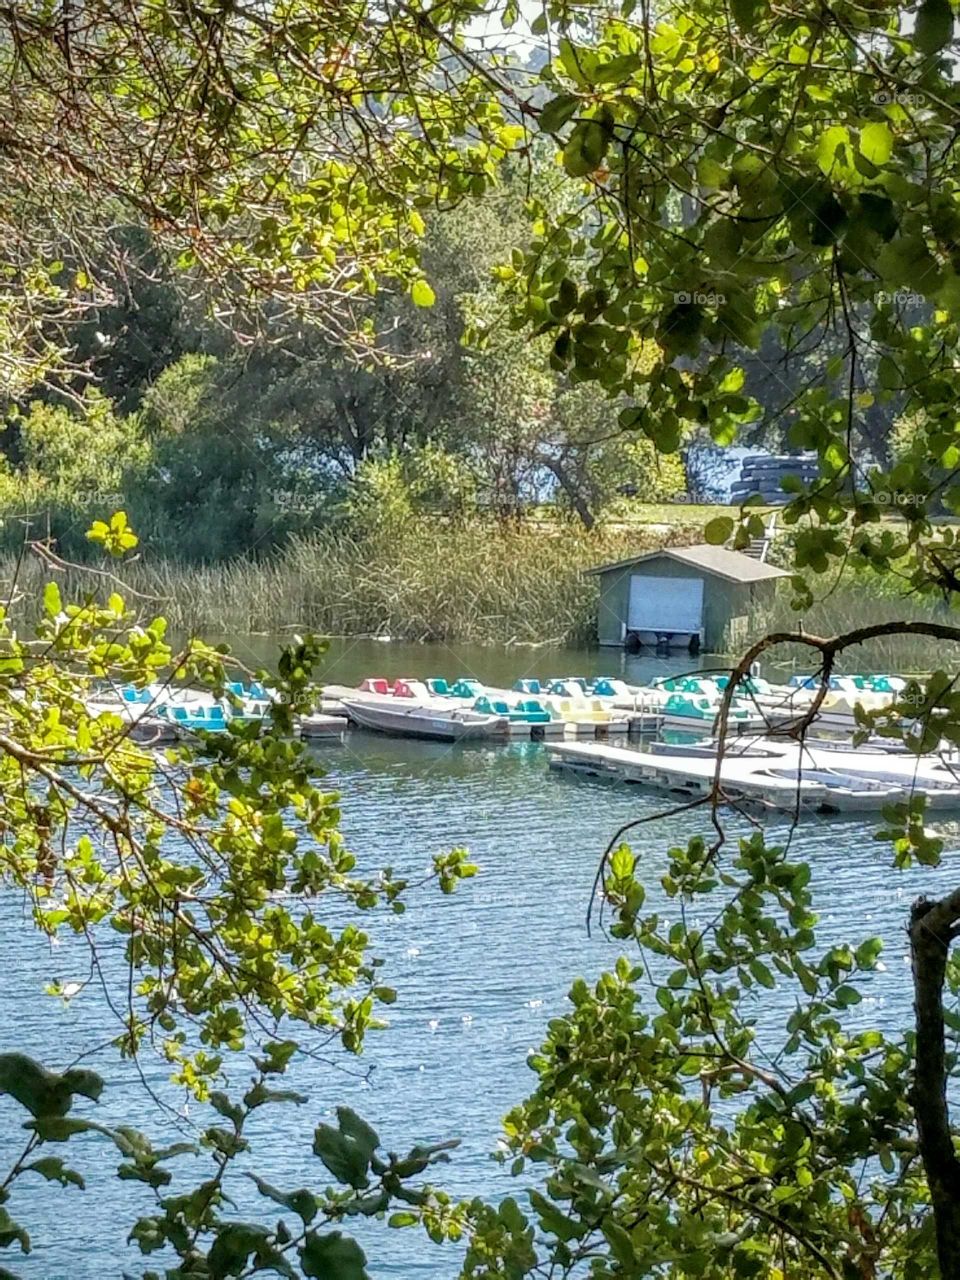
x,y
479,583
861,604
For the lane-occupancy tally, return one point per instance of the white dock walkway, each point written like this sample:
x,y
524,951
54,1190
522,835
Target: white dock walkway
x,y
775,774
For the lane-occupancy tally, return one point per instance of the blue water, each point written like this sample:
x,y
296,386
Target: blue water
x,y
478,976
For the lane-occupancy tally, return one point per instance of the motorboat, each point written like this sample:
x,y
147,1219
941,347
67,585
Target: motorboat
x,y
413,721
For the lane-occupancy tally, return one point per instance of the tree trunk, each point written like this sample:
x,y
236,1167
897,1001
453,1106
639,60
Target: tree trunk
x,y
569,487
932,930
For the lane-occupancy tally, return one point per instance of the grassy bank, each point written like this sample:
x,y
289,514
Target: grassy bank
x,y
480,583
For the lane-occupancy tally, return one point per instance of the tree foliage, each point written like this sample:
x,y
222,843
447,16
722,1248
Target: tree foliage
x,y
746,172
209,861
737,180
283,154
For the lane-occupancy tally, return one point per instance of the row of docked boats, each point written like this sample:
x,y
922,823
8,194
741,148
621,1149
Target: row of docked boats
x,y
759,767
573,705
465,708
160,713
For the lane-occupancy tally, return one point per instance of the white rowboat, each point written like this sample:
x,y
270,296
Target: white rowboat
x,y
423,722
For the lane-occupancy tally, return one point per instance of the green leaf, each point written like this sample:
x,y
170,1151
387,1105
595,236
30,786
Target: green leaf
x,y
333,1257
621,1246
231,1111
260,1096
934,26
876,142
278,1054
54,1170
59,1128
52,604
710,172
846,996
622,861
555,113
12,1233
554,1221
745,13
344,1158
868,953
358,1131
301,1202
43,1092
762,974
233,1246
833,149
403,1219
422,294
585,148
718,530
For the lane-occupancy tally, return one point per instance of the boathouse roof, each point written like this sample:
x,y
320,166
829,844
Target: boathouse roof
x,y
734,566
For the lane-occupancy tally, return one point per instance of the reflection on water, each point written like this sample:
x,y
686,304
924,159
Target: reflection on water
x,y
478,974
350,661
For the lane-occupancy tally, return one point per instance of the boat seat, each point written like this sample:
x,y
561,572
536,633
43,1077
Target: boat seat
x,y
465,688
375,684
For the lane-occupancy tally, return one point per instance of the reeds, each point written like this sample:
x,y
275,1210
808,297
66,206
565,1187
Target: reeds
x,y
850,607
481,583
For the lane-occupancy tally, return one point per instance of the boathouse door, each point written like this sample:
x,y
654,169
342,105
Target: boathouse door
x,y
665,606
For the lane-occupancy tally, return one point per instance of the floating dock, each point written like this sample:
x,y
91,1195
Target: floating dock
x,y
774,774
321,725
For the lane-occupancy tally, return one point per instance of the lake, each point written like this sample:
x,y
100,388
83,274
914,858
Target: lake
x,y
478,974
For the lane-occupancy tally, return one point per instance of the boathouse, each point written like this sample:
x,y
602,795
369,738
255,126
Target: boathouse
x,y
695,598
